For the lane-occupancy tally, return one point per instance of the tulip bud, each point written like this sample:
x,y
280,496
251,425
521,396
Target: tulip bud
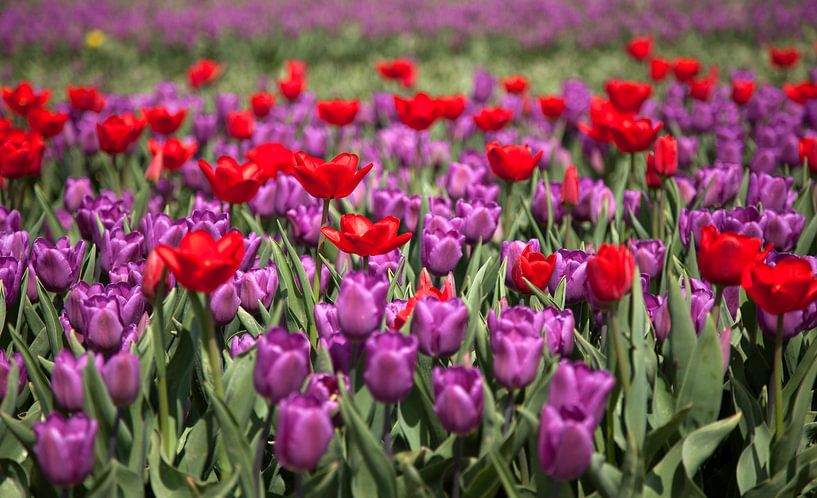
x,y
224,303
304,432
282,364
389,370
570,187
439,326
103,325
7,362
458,398
65,448
152,275
442,243
122,378
360,304
66,379
241,343
257,288
559,327
516,358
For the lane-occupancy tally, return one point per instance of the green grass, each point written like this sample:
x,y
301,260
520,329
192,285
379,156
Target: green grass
x,y
342,66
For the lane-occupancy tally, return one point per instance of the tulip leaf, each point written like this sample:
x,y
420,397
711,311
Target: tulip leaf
x,y
682,338
503,473
41,388
253,327
20,430
473,300
90,265
166,480
14,482
9,402
700,444
52,321
289,291
98,404
806,240
140,204
238,449
795,407
605,477
54,224
703,382
309,299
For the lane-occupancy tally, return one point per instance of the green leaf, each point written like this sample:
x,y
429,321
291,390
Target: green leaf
x,y
473,301
503,473
289,291
54,224
20,430
701,443
166,480
703,383
806,239
253,327
236,445
41,387
52,320
682,338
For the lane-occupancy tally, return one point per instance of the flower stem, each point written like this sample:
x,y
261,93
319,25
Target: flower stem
x,y
156,328
777,379
455,484
208,341
621,358
508,415
114,430
387,430
316,279
262,444
506,209
716,308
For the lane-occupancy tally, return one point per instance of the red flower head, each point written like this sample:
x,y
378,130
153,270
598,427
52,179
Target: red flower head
x,y
425,288
493,118
116,133
85,98
652,177
201,264
570,187
701,89
168,156
659,69
665,158
296,68
516,84
801,92
358,235
262,103
338,112
685,68
334,179
610,272
635,135
240,124
627,96
152,275
232,182
451,107
136,125
401,70
203,73
22,98
294,83
742,91
723,257
640,48
808,152
272,158
21,154
604,117
535,267
419,112
163,121
784,58
46,123
552,106
789,285
512,162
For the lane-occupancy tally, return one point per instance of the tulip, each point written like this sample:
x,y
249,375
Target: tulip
x,y
334,179
640,48
66,379
85,98
241,343
665,157
807,148
558,330
361,303
122,378
23,99
240,124
569,194
164,121
565,444
492,118
338,112
76,189
659,68
419,112
58,266
257,288
789,285
552,106
516,85
117,248
685,68
401,70
458,398
7,362
627,96
452,106
389,368
784,58
360,236
516,357
292,87
115,134
635,135
742,91
479,219
224,303
273,158
204,127
723,257
304,432
442,243
282,364
512,163
534,267
610,272
439,325
64,448
101,323
510,251
21,154
261,104
47,123
203,73
571,266
200,263
649,256
168,156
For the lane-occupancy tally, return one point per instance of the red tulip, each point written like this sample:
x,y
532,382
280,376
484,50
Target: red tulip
x,y
627,96
296,68
163,121
419,112
789,285
742,91
202,264
152,276
232,182
401,70
21,154
801,92
85,98
653,179
512,162
334,179
358,235
659,68
535,267
5,127
685,68
723,257
784,58
425,288
808,152
46,123
635,135
701,88
640,48
493,118
516,84
291,88
552,106
116,133
338,112
665,157
240,124
22,98
570,187
168,156
452,107
603,117
272,158
610,272
262,103
203,73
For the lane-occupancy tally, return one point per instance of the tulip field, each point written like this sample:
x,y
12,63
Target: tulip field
x,y
310,249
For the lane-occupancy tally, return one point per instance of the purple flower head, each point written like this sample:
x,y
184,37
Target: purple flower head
x,y
389,369
439,326
257,288
479,220
305,222
303,433
571,266
649,256
58,266
65,448
282,364
772,192
458,398
360,304
241,343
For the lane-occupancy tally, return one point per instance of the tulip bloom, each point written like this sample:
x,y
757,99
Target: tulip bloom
x,y
723,257
635,135
807,147
85,98
512,162
240,125
401,70
47,123
358,235
168,156
232,182
304,432
117,133
610,272
202,264
784,58
534,267
627,96
569,196
203,73
685,68
338,112
419,112
425,287
439,325
389,370
21,154
801,92
360,304
552,106
640,48
659,68
451,107
665,156
121,375
261,104
65,448
516,84
272,158
57,266
282,364
333,179
493,118
164,121
789,285
152,275
293,85
516,358
742,91
22,98
458,398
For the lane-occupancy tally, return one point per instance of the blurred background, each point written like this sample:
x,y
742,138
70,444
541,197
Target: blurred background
x,y
127,46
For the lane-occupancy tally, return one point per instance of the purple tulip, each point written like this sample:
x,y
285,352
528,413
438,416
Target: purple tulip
x,y
305,222
76,189
459,177
389,368
224,303
241,343
442,242
117,248
539,204
658,309
571,266
518,320
516,357
772,192
11,274
66,379
102,323
326,388
458,398
204,127
15,245
388,202
7,362
383,263
121,374
558,327
65,448
129,299
303,433
649,256
479,220
9,220
360,304
257,288
161,229
58,266
282,364
439,326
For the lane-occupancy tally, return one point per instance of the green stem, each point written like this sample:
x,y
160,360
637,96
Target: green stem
x,y
114,431
262,444
316,279
777,378
716,308
507,209
621,358
115,174
366,263
631,173
208,341
508,415
455,484
156,328
387,430
660,215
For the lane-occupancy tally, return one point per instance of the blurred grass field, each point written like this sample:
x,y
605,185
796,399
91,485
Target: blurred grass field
x,y
342,65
